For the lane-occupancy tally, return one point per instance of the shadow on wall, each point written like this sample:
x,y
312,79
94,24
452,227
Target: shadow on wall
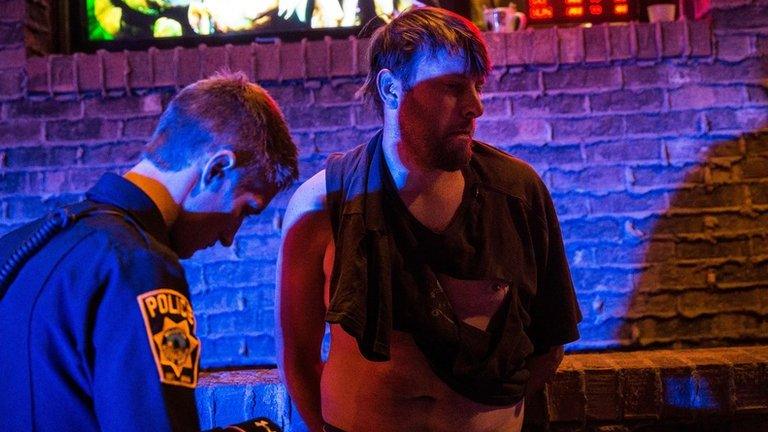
x,y
703,279
692,269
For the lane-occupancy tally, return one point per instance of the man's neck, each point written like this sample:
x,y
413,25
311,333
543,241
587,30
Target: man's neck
x,y
166,189
408,175
432,196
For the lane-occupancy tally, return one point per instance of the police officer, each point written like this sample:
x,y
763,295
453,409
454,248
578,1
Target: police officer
x,y
96,328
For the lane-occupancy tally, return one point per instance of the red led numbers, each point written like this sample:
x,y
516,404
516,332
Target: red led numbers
x,y
574,11
580,11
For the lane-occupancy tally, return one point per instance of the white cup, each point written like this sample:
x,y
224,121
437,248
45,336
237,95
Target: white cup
x,y
661,13
504,19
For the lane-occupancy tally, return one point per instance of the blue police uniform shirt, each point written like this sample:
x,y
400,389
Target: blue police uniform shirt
x,y
96,331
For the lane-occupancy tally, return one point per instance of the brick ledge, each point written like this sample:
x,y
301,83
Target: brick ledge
x,y
663,388
336,58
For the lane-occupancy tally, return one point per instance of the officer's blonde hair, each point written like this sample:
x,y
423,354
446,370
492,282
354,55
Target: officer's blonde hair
x,y
226,111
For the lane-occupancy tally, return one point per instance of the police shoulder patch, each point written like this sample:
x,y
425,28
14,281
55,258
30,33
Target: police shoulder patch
x,y
170,324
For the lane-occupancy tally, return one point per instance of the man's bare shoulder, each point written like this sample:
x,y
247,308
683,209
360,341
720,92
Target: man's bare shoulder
x,y
308,204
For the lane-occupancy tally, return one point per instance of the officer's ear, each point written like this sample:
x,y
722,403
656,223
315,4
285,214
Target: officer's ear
x,y
216,169
390,88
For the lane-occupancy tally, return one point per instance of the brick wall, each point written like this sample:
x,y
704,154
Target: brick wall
x,y
652,139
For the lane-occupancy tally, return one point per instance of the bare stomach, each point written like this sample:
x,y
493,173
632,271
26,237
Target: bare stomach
x,y
401,394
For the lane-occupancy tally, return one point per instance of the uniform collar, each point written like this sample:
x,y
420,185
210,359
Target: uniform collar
x,y
115,190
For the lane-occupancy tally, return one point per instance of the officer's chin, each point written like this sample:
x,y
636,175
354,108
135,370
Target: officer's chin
x,y
184,253
182,246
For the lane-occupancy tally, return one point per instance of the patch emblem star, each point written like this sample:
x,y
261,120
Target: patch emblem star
x,y
170,324
175,344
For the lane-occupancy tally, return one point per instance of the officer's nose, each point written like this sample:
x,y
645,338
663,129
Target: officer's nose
x,y
228,238
227,241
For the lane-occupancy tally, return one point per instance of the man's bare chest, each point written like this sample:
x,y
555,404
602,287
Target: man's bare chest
x,y
474,301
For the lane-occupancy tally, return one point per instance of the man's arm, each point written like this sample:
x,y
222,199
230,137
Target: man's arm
x,y
555,312
300,300
542,368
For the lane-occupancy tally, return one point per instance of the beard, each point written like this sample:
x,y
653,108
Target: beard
x,y
447,153
452,153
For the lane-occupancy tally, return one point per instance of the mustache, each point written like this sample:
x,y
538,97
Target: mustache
x,y
468,129
469,132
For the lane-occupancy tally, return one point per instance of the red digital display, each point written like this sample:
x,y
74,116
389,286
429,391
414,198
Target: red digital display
x,y
580,11
574,11
542,13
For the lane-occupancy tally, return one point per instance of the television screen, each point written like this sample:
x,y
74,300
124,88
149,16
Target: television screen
x,y
148,20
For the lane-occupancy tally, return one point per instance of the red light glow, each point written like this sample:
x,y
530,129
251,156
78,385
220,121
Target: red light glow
x,y
539,3
595,9
574,2
574,11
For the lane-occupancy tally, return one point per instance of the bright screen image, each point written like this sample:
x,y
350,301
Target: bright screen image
x,y
150,19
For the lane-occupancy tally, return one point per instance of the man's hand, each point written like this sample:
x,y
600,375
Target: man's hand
x,y
542,368
259,424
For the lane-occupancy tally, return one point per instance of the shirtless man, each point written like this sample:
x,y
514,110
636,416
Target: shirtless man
x,y
437,259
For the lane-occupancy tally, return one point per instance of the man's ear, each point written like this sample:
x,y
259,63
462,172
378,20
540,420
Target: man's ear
x,y
390,88
217,167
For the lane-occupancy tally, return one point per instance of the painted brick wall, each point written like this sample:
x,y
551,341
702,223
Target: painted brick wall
x,y
652,139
